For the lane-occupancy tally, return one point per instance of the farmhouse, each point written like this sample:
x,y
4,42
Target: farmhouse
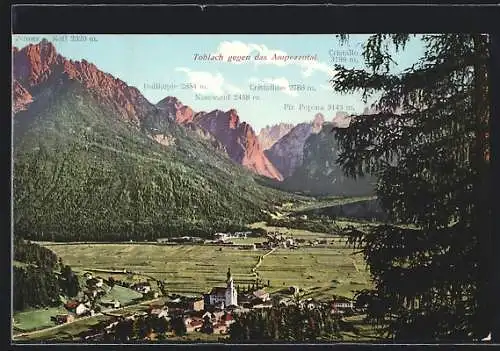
x,y
242,235
81,309
152,294
214,316
196,304
261,295
227,318
220,236
76,307
343,303
64,318
310,304
158,311
142,287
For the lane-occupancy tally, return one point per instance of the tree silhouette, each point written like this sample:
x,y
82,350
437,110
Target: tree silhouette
x,y
427,142
178,326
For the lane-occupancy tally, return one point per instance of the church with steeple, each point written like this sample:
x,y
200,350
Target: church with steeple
x,y
227,296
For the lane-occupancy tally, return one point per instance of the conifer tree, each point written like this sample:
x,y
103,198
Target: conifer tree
x,y
428,144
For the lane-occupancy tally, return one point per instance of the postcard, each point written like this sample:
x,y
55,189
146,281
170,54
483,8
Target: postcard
x,y
249,188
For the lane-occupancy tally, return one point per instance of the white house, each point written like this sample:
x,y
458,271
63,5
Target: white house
x,y
217,296
81,309
340,305
220,236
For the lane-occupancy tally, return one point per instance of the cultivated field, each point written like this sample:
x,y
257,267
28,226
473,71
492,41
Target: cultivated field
x,y
188,269
34,319
321,272
195,269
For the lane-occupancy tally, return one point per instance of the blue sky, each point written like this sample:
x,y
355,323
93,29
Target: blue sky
x,y
155,63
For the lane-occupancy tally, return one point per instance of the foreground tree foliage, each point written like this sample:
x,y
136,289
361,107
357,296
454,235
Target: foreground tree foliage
x,y
285,323
428,145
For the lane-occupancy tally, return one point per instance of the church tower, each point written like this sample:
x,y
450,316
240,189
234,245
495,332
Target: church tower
x,y
231,293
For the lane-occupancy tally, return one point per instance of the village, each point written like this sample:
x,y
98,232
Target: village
x,y
211,312
214,309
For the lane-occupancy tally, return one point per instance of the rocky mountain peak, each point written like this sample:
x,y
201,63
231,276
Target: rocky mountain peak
x,y
38,64
271,134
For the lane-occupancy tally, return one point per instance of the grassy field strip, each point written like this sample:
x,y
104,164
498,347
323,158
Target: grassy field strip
x,y
31,320
183,261
355,265
56,327
83,319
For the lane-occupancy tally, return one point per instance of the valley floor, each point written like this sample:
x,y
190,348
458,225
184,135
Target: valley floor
x,y
320,271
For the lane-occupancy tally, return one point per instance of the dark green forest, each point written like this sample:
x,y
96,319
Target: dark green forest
x,y
80,173
40,277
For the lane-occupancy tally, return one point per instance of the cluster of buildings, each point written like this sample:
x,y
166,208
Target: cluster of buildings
x,y
235,235
212,313
219,238
274,240
75,310
278,240
85,304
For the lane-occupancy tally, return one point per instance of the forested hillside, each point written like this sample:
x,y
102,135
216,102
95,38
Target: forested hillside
x,y
82,173
40,278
